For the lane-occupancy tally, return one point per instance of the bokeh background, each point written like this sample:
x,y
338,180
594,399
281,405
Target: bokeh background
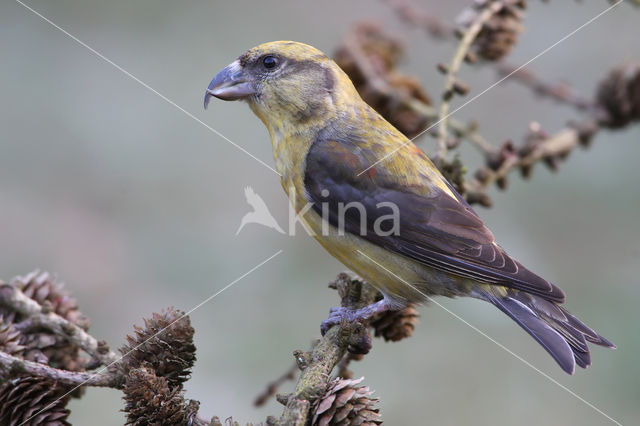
x,y
135,205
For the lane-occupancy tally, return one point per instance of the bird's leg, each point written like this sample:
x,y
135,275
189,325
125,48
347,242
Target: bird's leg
x,y
337,314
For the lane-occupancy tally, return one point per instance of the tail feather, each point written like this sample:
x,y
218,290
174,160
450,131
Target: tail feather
x,y
589,334
544,334
562,335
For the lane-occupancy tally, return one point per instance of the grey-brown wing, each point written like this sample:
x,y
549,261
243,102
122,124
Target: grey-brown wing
x,y
437,229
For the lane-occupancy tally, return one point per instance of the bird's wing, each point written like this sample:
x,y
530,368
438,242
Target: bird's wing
x,y
435,225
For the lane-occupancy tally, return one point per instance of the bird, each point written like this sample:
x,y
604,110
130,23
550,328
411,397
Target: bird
x,y
378,204
260,214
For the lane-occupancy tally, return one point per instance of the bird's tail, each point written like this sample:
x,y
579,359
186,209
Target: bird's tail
x,y
564,336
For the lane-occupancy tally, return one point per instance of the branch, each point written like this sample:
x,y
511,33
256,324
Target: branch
x,y
616,105
159,356
491,29
318,363
460,130
558,91
272,387
538,147
432,24
451,84
41,316
11,366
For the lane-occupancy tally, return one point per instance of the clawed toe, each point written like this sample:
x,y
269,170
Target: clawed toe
x,y
336,314
325,326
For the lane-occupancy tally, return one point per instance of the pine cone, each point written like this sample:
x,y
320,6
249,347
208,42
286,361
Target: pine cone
x,y
56,351
401,115
382,54
619,95
500,32
149,400
10,339
33,401
344,403
395,325
42,345
634,94
43,288
165,344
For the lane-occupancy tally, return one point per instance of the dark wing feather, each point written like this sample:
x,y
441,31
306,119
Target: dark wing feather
x,y
436,229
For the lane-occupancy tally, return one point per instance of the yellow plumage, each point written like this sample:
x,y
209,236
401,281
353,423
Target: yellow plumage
x,y
291,142
333,150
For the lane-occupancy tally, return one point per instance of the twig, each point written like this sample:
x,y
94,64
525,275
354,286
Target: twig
x,y
12,297
11,366
461,52
559,91
469,132
272,387
432,24
546,148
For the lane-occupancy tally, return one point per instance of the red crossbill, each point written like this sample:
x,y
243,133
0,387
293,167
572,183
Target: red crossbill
x,y
397,223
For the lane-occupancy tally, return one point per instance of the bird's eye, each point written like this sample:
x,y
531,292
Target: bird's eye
x,y
270,62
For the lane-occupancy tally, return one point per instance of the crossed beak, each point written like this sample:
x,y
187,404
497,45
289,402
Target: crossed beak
x,y
231,84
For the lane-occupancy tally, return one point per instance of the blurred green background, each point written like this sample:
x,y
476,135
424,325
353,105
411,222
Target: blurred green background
x,y
135,206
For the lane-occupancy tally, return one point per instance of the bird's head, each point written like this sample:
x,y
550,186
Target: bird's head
x,y
285,83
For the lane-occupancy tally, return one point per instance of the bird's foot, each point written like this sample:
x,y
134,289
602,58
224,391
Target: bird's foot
x,y
337,314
